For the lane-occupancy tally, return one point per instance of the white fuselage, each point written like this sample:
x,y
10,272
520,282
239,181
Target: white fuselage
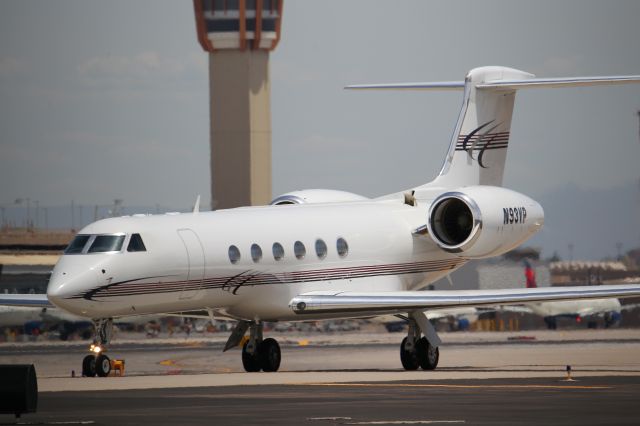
x,y
187,266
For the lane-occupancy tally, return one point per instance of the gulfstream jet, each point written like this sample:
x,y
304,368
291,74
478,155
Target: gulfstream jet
x,y
322,254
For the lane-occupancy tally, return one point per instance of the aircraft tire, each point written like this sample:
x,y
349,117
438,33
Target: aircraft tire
x,y
551,323
409,359
103,365
250,362
269,355
428,356
89,366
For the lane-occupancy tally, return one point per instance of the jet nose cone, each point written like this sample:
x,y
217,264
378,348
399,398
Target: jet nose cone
x,y
58,289
68,283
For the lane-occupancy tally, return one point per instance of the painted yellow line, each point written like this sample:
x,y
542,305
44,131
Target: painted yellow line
x,y
435,385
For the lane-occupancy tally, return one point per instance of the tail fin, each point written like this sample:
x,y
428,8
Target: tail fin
x,y
478,148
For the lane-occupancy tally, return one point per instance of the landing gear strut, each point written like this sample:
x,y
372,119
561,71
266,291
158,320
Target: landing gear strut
x,y
97,363
257,353
419,352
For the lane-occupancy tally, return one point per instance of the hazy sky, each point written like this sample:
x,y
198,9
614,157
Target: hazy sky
x,y
102,100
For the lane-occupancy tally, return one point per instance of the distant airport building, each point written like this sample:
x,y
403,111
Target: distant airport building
x,y
494,274
239,34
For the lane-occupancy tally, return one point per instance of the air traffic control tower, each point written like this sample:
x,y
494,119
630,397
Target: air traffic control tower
x,y
239,34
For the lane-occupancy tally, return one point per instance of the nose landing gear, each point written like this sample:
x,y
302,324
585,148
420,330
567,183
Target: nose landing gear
x,y
97,363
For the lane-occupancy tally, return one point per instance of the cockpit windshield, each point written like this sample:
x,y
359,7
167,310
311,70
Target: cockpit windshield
x,y
77,245
105,243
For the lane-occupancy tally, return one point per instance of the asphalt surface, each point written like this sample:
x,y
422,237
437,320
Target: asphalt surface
x,y
598,351
492,378
588,401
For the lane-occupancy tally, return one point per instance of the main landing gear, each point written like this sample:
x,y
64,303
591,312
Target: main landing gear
x,y
97,363
257,353
420,352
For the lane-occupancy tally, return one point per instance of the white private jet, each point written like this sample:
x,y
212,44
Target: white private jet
x,y
48,318
610,310
328,254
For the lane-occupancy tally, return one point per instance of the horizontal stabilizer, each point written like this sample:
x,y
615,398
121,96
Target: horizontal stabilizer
x,y
504,84
442,85
25,300
406,301
558,82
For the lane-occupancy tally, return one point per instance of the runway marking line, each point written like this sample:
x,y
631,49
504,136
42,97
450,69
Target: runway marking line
x,y
420,385
328,418
405,422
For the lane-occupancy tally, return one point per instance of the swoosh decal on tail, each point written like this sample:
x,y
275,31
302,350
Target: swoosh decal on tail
x,y
470,135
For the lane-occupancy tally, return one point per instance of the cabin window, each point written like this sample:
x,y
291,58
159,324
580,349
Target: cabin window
x,y
136,244
299,250
278,251
234,254
321,249
106,243
77,245
256,253
342,247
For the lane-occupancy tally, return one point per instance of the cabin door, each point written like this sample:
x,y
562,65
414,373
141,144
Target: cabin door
x,y
195,259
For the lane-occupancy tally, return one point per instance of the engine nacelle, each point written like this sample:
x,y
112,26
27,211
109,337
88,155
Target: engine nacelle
x,y
483,221
313,196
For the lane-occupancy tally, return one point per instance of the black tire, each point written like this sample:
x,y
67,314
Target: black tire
x,y
428,356
103,365
89,366
250,362
551,323
409,359
269,355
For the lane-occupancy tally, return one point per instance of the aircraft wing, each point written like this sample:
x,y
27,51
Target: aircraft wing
x,y
26,300
322,302
630,307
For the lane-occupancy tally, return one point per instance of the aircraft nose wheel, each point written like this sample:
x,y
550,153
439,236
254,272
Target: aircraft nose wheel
x,y
93,366
89,366
103,365
98,363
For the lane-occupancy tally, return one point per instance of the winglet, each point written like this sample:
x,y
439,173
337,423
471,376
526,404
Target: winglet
x,y
196,207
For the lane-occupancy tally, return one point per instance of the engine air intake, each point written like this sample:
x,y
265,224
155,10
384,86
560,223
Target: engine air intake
x,y
452,221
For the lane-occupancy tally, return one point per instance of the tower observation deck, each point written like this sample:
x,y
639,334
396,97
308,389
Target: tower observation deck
x,y
238,35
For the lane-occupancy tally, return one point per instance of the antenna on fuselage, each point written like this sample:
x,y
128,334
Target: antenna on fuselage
x,y
196,207
450,280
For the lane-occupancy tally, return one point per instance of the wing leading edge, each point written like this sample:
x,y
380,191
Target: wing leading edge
x,y
404,301
25,300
